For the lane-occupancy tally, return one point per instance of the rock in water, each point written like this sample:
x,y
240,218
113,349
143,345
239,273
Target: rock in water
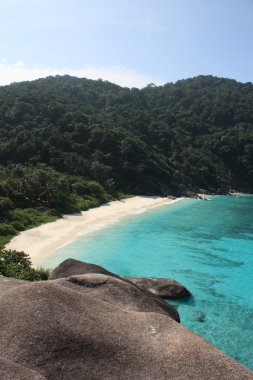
x,y
161,287
201,317
124,294
96,326
75,267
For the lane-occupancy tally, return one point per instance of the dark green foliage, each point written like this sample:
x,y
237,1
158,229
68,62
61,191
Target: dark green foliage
x,y
32,195
7,229
194,133
22,219
5,205
68,144
18,265
19,226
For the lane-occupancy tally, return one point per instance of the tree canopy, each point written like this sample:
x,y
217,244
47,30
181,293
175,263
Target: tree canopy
x,y
194,133
68,144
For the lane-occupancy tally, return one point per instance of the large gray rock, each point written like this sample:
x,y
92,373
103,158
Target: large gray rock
x,y
161,287
122,293
8,283
12,371
70,267
75,267
95,326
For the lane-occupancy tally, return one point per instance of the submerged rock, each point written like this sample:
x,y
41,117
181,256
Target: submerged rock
x,y
96,326
201,317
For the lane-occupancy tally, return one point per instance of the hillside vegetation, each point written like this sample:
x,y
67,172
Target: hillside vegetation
x,y
68,144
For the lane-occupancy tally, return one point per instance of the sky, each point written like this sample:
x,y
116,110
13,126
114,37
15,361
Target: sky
x,y
128,42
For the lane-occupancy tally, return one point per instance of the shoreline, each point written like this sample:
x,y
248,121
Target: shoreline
x,y
42,241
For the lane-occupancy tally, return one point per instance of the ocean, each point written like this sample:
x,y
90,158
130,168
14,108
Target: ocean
x,y
205,245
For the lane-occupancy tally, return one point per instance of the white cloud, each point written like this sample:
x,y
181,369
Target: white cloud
x,y
123,76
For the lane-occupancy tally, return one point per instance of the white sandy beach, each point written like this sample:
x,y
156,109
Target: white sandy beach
x,y
42,241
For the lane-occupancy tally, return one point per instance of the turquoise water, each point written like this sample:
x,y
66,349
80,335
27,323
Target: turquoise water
x,y
207,246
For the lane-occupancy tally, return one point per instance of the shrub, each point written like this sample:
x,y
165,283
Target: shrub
x,y
7,229
18,265
33,217
5,204
19,226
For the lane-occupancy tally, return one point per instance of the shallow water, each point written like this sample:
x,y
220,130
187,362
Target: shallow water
x,y
208,246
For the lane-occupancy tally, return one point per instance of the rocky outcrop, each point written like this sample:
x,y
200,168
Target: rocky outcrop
x,y
122,293
161,287
73,269
8,283
85,327
70,267
9,370
97,326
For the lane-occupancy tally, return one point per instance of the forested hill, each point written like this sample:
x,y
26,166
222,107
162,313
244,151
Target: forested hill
x,y
196,133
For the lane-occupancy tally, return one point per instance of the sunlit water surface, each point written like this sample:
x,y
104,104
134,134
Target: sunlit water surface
x,y
206,245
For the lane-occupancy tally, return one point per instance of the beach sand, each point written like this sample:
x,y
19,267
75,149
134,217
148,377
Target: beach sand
x,y
42,241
